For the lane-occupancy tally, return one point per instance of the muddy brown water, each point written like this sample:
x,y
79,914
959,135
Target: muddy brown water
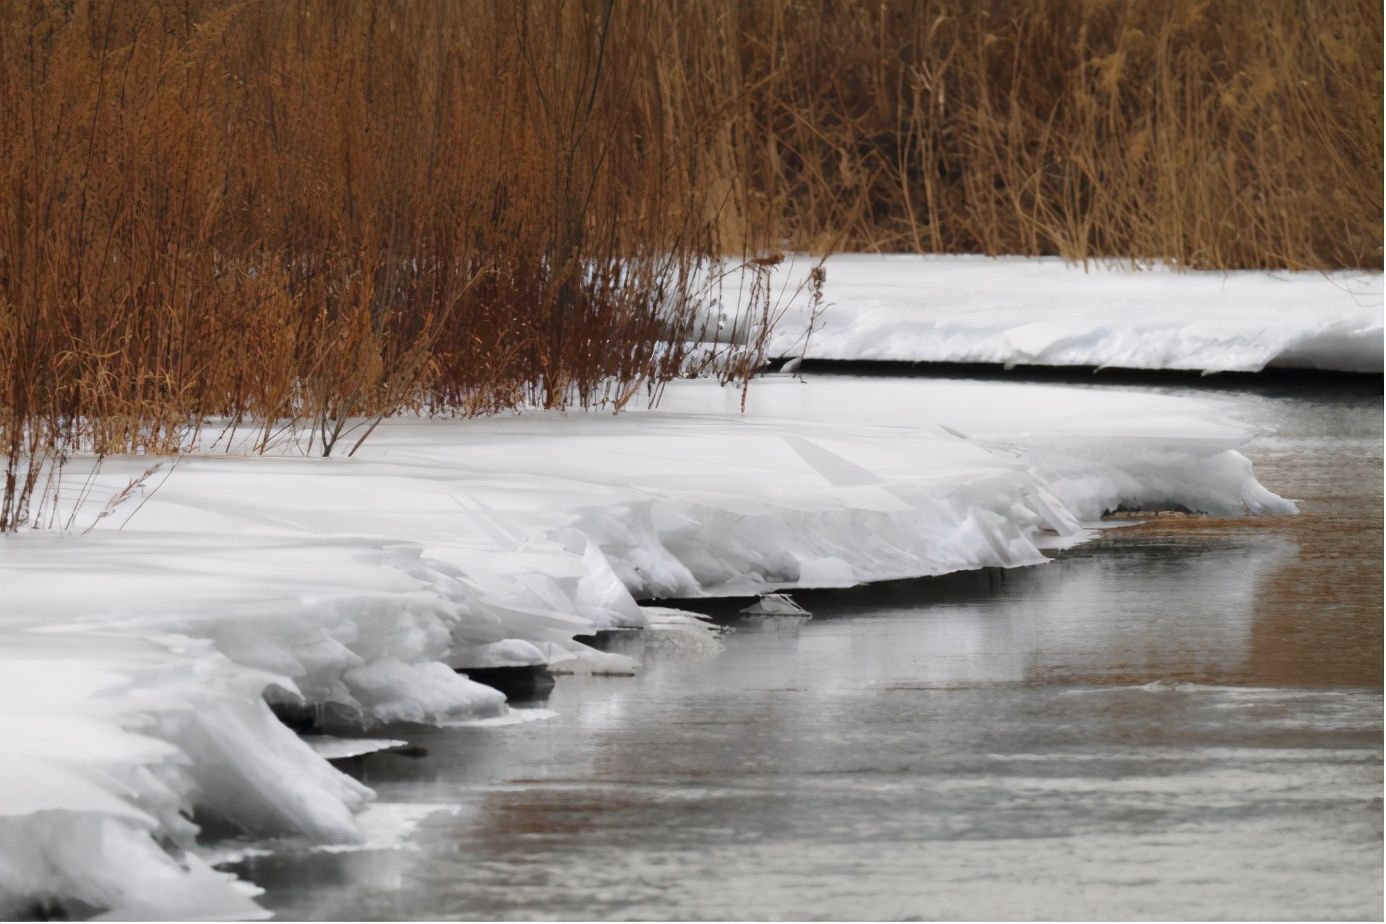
x,y
1181,719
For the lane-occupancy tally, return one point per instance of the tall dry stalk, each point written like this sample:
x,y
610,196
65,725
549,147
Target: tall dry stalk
x,y
300,215
297,215
1213,134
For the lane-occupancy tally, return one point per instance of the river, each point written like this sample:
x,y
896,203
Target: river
x,y
1181,719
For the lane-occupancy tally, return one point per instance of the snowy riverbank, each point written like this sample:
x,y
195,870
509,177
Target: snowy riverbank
x,y
137,655
1024,311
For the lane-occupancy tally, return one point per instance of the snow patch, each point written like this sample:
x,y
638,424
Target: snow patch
x,y
1028,311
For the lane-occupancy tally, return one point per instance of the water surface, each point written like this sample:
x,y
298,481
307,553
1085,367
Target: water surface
x,y
1180,720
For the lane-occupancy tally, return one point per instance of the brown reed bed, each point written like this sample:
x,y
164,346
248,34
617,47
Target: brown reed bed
x,y
307,214
1213,134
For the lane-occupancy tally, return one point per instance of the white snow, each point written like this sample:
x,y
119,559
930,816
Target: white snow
x,y
135,658
1027,311
330,747
109,741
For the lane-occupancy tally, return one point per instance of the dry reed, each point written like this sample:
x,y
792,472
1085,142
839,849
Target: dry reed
x,y
1212,134
306,214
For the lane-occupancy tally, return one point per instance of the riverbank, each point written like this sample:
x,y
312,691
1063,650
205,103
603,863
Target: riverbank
x,y
1010,311
355,586
1178,720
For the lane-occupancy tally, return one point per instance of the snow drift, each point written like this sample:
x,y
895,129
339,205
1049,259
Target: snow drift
x,y
136,658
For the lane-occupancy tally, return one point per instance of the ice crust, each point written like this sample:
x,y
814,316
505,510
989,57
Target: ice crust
x,y
1025,311
136,659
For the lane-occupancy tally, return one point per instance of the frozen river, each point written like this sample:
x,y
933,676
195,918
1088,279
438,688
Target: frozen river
x,y
1180,720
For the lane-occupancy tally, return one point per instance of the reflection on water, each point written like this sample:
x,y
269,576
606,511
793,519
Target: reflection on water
x,y
1180,720
1318,615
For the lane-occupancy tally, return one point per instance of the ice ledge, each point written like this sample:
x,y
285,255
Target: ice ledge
x,y
134,663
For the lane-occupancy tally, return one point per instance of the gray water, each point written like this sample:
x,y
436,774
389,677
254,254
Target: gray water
x,y
1181,720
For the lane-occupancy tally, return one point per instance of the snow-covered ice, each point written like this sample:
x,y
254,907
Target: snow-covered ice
x,y
110,741
1027,311
137,656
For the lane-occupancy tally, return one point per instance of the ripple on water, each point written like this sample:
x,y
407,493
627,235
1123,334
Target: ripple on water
x,y
1179,720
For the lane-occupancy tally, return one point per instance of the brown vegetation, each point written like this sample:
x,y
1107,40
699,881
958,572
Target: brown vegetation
x,y
1213,134
319,211
304,212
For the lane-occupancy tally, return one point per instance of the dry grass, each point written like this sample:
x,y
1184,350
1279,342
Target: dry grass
x,y
314,212
291,214
1208,133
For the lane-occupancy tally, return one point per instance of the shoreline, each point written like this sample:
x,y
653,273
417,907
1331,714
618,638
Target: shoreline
x,y
523,533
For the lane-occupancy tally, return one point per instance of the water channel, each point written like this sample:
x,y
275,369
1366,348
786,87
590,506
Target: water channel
x,y
1181,719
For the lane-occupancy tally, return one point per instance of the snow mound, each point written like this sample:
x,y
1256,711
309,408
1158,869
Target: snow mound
x,y
1028,311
